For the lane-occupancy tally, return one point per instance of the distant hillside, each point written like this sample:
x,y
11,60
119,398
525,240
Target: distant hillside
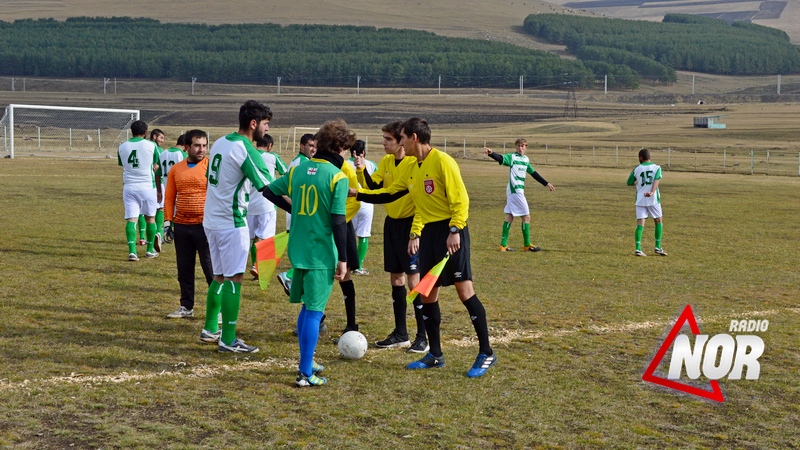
x,y
685,42
302,55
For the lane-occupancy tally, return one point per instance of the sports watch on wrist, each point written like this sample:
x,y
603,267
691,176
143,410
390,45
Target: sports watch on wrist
x,y
454,229
413,235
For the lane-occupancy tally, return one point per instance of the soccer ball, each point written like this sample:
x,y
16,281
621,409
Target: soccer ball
x,y
352,345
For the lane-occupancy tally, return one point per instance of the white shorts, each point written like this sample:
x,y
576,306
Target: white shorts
x,y
516,203
362,221
262,225
229,250
139,202
653,211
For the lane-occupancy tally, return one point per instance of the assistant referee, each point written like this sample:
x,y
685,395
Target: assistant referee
x,y
442,207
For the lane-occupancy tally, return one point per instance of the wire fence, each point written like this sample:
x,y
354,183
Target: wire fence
x,y
783,87
741,161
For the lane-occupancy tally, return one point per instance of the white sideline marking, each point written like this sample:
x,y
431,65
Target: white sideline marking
x,y
498,337
508,336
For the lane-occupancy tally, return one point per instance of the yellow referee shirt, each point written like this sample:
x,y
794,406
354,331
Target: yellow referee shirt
x,y
353,205
386,173
435,187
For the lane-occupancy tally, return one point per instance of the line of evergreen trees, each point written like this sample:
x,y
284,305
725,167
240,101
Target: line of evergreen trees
x,y
686,42
299,54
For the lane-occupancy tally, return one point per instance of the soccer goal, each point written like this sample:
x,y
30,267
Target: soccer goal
x,y
63,131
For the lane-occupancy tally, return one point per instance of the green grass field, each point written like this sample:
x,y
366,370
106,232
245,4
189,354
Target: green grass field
x,y
87,359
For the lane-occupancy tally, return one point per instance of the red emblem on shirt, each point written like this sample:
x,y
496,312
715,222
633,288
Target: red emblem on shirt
x,y
429,186
312,171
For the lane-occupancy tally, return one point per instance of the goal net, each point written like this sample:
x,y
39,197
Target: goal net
x,y
61,131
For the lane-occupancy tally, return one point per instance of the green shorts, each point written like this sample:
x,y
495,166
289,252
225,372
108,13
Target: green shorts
x,y
312,287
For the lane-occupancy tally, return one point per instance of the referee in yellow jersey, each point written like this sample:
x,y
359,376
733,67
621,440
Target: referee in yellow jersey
x,y
442,206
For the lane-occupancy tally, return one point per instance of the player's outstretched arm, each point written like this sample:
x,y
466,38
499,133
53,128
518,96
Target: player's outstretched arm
x,y
278,200
493,155
542,181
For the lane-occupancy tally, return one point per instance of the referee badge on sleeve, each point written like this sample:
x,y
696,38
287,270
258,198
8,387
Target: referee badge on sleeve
x,y
429,188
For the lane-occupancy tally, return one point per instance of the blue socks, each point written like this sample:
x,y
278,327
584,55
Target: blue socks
x,y
308,334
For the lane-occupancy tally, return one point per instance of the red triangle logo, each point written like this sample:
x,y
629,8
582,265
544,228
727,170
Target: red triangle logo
x,y
649,375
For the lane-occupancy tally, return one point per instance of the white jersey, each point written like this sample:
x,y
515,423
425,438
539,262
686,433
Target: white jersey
x,y
169,158
370,167
519,166
138,159
258,204
235,167
299,159
643,176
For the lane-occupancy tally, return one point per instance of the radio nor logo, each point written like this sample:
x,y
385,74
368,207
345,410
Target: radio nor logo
x,y
714,357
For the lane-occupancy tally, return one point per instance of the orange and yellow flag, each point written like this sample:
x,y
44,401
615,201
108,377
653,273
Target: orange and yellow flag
x,y
426,283
268,255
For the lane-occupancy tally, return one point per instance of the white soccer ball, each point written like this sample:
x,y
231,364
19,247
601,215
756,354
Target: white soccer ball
x,y
352,345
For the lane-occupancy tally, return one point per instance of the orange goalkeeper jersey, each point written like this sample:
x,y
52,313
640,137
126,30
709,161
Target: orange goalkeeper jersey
x,y
186,193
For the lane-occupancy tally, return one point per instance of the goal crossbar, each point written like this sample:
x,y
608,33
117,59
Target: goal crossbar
x,y
9,116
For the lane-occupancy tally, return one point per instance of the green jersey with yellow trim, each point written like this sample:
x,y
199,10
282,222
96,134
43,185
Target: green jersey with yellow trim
x,y
317,189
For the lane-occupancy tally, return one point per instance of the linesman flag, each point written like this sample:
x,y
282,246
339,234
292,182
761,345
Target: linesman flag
x,y
426,284
268,255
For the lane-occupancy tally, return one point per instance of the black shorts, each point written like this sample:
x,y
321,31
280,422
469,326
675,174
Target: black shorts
x,y
395,246
352,247
433,248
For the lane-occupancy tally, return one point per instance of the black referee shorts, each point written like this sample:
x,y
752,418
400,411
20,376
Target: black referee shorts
x,y
433,248
395,246
352,247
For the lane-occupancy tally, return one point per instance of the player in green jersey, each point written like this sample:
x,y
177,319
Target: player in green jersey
x,y
308,148
646,177
516,203
318,190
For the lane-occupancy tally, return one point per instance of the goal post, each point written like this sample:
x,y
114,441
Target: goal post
x,y
64,131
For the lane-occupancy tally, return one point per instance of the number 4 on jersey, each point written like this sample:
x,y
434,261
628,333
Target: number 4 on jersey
x,y
133,160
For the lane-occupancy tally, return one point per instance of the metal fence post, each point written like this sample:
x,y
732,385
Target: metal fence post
x,y
767,172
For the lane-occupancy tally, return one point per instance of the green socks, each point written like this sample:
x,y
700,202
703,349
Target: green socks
x,y
160,223
506,229
363,245
639,230
142,226
526,234
151,234
130,235
290,273
230,297
253,252
659,230
213,302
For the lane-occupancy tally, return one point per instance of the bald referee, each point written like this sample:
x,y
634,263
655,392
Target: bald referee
x,y
442,207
